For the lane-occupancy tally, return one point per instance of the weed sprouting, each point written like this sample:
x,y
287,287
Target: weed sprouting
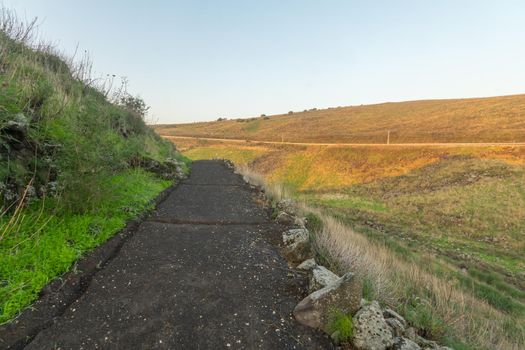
x,y
341,326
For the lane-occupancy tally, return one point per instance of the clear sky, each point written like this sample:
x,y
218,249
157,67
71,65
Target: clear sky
x,y
199,60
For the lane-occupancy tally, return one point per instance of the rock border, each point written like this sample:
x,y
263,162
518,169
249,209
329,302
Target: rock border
x,y
375,328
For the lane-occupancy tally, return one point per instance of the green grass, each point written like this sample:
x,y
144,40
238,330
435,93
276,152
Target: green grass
x,y
456,207
355,203
420,315
49,238
497,281
493,295
368,289
342,325
252,126
238,156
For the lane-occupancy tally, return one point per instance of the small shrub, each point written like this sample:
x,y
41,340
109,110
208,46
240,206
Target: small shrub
x,y
421,315
134,104
341,326
368,289
314,223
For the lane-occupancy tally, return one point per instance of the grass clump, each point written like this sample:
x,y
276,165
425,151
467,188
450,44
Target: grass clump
x,y
368,289
341,326
420,314
314,223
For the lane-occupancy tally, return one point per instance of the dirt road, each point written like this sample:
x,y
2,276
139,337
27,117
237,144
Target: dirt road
x,y
450,144
202,272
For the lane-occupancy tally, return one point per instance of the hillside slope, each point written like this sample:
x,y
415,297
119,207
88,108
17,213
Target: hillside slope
x,y
493,119
74,164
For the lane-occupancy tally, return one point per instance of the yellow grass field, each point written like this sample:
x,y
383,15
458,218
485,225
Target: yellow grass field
x,y
493,119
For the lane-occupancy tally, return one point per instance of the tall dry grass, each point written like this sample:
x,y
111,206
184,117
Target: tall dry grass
x,y
401,284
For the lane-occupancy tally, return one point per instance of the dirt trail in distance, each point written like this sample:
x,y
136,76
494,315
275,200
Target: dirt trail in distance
x,y
459,144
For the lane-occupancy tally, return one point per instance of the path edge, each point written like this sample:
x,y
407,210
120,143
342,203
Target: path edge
x,y
62,291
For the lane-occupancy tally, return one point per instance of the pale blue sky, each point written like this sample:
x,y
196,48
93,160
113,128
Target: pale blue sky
x,y
200,60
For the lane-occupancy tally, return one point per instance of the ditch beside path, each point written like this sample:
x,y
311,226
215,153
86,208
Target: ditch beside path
x,y
202,272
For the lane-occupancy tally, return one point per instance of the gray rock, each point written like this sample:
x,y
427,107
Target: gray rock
x,y
31,194
321,277
430,344
389,313
427,344
411,333
288,206
298,247
363,302
371,332
19,123
336,337
307,265
296,235
405,344
300,222
229,164
398,329
344,295
285,219
298,251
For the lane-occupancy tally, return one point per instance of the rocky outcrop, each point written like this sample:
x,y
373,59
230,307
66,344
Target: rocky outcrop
x,y
286,213
344,295
395,321
307,265
287,206
371,332
321,277
397,327
297,245
295,236
170,169
285,218
18,124
405,344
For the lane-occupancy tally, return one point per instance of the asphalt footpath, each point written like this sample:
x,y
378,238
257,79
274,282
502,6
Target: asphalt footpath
x,y
203,271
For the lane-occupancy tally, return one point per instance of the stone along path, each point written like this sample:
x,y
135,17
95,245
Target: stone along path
x,y
200,273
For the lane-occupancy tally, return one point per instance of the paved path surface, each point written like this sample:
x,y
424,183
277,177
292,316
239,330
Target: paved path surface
x,y
435,144
200,273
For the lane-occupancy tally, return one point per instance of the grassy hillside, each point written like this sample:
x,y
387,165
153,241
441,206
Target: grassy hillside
x,y
494,119
74,166
454,214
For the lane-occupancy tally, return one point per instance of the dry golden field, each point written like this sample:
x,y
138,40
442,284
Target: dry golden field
x,y
493,119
